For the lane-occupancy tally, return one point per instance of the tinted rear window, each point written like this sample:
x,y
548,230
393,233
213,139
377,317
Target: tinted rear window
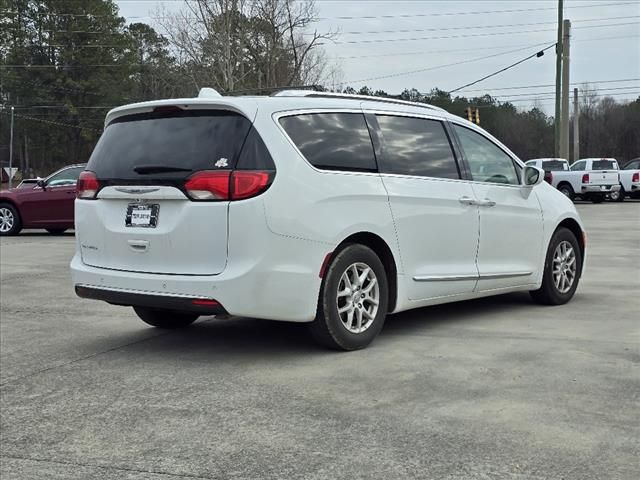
x,y
554,166
193,140
603,165
415,146
332,141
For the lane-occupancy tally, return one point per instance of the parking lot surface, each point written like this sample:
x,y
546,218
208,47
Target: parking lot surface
x,y
489,389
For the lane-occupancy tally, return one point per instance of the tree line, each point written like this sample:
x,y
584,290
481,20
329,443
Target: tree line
x,y
65,63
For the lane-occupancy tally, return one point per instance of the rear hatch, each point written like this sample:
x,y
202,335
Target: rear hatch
x,y
162,184
603,172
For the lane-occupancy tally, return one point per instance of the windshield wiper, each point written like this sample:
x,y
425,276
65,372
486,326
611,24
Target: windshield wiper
x,y
148,169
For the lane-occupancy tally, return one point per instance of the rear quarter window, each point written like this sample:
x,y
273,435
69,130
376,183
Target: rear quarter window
x,y
332,141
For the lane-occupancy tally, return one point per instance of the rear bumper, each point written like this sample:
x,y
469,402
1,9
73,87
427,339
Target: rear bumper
x,y
600,188
202,306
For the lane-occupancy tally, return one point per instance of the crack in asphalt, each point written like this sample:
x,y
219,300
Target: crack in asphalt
x,y
106,467
86,357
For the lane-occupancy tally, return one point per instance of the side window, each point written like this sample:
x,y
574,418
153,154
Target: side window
x,y
487,161
578,166
632,165
65,177
415,146
332,141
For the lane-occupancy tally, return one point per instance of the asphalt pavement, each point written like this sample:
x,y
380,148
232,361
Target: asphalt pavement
x,y
498,388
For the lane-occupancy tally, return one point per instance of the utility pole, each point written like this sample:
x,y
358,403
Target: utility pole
x,y
556,117
11,149
576,128
564,134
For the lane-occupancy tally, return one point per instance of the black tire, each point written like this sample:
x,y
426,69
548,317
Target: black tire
x,y
597,198
167,319
617,196
567,190
548,293
328,328
56,231
9,213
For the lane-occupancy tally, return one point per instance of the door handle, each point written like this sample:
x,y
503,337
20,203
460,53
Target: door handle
x,y
467,201
486,203
139,246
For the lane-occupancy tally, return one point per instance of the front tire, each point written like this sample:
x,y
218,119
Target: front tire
x,y
166,319
562,268
10,223
353,300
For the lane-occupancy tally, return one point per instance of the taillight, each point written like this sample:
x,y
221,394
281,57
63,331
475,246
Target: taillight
x,y
636,177
87,186
585,178
227,185
208,185
248,183
548,177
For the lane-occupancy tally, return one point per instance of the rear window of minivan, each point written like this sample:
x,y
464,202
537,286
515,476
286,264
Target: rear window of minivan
x,y
184,141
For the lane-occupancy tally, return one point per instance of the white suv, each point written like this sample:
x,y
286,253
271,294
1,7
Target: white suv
x,y
313,207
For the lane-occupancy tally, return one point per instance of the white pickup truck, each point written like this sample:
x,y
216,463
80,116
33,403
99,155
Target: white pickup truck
x,y
629,181
589,178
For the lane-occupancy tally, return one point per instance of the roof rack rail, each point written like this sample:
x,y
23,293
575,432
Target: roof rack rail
x,y
321,94
272,90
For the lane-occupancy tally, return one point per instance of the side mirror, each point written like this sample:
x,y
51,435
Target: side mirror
x,y
533,176
41,183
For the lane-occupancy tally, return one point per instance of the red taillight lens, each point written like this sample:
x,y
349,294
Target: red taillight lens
x,y
248,183
636,177
548,177
87,186
585,178
208,185
227,185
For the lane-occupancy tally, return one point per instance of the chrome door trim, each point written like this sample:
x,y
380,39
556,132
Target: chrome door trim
x,y
473,276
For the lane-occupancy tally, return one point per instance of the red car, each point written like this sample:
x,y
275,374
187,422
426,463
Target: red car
x,y
46,204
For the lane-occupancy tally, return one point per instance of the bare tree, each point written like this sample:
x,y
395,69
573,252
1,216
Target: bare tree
x,y
236,44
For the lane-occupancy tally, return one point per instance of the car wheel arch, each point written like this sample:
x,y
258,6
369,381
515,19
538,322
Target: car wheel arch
x,y
383,251
575,228
11,202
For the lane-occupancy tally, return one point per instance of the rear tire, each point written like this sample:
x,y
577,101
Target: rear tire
x,y
597,198
353,300
10,223
56,231
563,261
567,190
617,196
166,319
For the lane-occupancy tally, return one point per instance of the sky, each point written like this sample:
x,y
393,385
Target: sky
x,y
425,44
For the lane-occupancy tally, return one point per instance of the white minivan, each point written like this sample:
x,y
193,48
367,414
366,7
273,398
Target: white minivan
x,y
313,207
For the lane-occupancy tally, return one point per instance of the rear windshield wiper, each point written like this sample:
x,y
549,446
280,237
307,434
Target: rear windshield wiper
x,y
148,169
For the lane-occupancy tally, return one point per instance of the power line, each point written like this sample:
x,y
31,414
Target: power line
x,y
537,54
51,122
552,85
428,52
436,66
469,27
490,34
363,17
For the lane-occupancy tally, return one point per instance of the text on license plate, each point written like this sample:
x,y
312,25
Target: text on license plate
x,y
145,215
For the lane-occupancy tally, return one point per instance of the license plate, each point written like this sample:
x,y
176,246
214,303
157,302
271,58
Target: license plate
x,y
603,187
142,215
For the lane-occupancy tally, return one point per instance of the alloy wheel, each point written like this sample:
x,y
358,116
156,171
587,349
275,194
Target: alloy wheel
x,y
358,297
6,220
564,267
